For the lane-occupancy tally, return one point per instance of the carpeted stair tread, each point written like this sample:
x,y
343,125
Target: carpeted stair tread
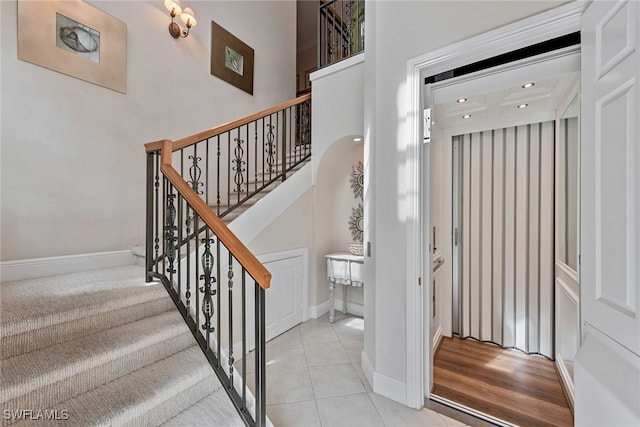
x,y
80,361
42,302
35,339
215,409
146,397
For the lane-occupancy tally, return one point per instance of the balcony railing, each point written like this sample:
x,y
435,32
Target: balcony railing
x,y
340,30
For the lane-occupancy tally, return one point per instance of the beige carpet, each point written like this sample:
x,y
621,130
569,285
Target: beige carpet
x,y
102,348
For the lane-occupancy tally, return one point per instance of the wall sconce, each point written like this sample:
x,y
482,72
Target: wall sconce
x,y
186,15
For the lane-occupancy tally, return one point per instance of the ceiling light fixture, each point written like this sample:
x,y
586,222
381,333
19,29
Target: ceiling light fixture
x,y
528,85
523,105
466,116
461,100
357,139
186,15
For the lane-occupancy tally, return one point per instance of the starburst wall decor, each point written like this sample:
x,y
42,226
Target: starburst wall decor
x,y
356,220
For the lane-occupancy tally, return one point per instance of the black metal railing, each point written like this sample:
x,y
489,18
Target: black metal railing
x,y
233,163
340,30
208,272
193,253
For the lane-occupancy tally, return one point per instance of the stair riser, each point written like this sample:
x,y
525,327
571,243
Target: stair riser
x,y
39,338
178,403
169,386
55,393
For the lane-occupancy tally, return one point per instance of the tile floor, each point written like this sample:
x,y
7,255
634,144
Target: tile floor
x,y
314,378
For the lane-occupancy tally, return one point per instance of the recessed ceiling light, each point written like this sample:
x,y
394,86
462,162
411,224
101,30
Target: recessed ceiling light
x,y
523,105
358,139
528,85
466,116
461,100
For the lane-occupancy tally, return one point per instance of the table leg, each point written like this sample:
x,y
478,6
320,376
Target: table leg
x,y
332,287
344,299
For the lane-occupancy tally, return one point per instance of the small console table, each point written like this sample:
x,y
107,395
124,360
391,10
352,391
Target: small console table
x,y
344,269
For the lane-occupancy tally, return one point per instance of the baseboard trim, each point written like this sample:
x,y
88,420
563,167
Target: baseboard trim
x,y
437,337
352,307
381,384
565,380
50,266
390,388
317,311
367,367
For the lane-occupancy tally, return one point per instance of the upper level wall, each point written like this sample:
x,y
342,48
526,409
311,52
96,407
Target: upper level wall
x,y
73,165
337,108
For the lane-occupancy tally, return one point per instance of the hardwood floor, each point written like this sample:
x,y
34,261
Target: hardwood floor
x,y
506,384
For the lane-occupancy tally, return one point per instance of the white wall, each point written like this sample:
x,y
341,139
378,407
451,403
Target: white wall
x,y
397,31
334,200
337,117
72,152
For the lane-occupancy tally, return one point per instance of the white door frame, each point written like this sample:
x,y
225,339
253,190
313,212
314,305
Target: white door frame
x,y
547,25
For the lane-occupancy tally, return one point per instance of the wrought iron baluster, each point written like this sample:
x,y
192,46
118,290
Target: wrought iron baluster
x,y
195,172
196,232
244,340
260,363
218,297
230,284
206,173
218,173
170,230
255,150
238,168
164,214
157,207
263,143
148,252
228,170
247,162
270,148
207,288
187,293
284,145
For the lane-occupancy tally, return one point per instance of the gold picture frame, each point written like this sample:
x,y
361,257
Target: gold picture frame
x,y
231,59
74,38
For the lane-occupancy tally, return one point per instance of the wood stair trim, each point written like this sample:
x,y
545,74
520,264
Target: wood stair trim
x,y
185,142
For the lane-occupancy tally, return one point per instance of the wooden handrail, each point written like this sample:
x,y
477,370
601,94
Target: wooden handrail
x,y
185,142
226,236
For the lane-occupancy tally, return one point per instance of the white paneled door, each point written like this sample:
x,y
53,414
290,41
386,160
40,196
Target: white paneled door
x,y
504,192
607,367
284,299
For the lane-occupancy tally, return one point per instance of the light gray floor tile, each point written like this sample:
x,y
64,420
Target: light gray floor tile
x,y
354,354
278,357
325,353
319,333
289,357
251,363
335,380
362,377
349,411
450,422
296,414
286,386
291,337
395,414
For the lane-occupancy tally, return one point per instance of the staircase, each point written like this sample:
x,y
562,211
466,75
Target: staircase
x,y
103,348
262,176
